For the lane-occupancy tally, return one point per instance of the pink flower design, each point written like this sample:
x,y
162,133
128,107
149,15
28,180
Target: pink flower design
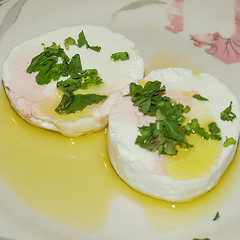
x,y
225,49
176,21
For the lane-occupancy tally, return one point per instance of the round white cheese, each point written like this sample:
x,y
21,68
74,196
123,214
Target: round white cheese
x,y
144,170
36,103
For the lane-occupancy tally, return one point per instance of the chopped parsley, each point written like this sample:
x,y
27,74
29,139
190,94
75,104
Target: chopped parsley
x,y
194,127
145,97
53,63
69,41
75,65
227,114
199,97
72,103
46,64
201,238
90,77
123,56
168,131
214,131
229,141
162,136
79,79
82,41
82,80
217,216
187,109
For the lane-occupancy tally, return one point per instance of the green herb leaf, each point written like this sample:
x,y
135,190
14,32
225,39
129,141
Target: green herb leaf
x,y
227,114
214,131
201,238
73,103
65,103
69,41
90,77
194,127
229,141
50,71
166,133
144,97
46,64
187,109
64,68
123,56
162,136
74,66
94,48
69,85
216,216
82,80
199,97
82,41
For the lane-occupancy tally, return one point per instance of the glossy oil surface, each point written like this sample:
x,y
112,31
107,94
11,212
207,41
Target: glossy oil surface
x,y
196,161
71,181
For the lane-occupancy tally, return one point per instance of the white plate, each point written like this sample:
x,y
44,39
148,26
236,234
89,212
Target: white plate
x,y
127,214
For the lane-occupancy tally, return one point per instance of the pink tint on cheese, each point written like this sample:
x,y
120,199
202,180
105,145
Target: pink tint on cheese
x,y
132,115
183,97
26,87
157,168
135,118
20,85
144,119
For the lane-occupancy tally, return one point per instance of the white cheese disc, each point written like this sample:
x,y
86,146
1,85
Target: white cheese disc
x,y
191,172
36,103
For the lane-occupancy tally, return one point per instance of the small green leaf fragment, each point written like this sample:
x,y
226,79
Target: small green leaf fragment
x,y
194,127
122,56
90,77
46,64
64,68
199,97
216,216
83,41
69,41
215,137
227,114
69,85
167,132
187,109
81,80
213,128
94,48
214,131
201,238
229,141
146,97
64,104
47,73
73,103
75,65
